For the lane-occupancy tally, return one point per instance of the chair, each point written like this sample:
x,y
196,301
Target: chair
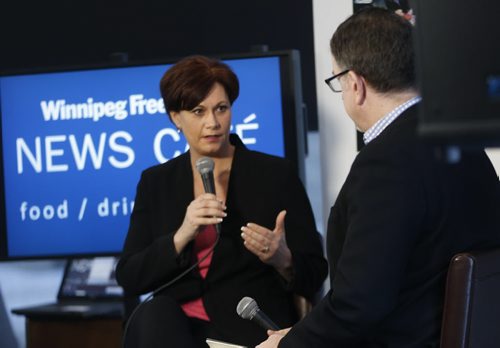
x,y
302,305
471,316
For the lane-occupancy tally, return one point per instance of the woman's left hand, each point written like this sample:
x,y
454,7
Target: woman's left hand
x,y
269,246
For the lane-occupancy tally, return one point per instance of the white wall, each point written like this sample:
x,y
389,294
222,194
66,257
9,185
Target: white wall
x,y
336,130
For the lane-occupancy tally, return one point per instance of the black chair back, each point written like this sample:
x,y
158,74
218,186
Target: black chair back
x,y
471,316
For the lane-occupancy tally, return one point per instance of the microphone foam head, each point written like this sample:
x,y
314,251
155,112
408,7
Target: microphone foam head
x,y
205,165
247,308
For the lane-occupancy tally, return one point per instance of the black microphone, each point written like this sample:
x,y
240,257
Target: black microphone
x,y
248,309
205,166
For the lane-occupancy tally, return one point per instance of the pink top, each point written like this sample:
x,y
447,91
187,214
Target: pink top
x,y
202,244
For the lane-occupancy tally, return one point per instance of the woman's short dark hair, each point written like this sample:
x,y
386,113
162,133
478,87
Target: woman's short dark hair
x,y
377,44
186,84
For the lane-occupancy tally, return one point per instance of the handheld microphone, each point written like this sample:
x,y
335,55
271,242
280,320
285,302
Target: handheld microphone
x,y
205,166
248,309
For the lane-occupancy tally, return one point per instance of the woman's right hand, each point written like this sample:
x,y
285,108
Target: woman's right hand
x,y
206,209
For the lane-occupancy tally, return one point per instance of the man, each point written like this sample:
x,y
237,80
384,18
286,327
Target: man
x,y
404,209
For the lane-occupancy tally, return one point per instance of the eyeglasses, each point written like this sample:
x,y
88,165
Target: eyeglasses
x,y
334,83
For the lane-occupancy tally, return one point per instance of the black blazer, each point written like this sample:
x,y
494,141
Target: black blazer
x,y
401,215
260,186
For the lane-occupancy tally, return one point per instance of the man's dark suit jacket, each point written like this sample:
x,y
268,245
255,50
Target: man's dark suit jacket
x,y
401,215
260,186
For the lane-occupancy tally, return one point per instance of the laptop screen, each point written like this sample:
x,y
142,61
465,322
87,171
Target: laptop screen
x,y
91,277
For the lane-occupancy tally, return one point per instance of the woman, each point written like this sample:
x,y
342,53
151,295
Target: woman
x,y
260,254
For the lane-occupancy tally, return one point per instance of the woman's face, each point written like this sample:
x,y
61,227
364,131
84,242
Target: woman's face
x,y
206,127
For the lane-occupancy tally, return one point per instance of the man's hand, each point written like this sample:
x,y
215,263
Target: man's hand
x,y
274,338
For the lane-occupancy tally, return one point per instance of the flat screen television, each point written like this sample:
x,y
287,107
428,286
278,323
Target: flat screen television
x,y
75,140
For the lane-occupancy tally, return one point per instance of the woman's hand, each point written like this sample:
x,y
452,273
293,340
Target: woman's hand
x,y
270,246
206,209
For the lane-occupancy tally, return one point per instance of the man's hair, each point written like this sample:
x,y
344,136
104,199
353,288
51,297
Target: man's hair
x,y
377,44
186,84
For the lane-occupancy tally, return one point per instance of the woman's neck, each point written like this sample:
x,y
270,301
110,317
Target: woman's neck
x,y
221,162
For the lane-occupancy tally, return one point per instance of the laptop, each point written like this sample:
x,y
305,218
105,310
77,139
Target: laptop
x,y
88,289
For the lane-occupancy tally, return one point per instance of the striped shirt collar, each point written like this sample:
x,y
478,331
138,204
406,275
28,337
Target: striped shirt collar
x,y
385,121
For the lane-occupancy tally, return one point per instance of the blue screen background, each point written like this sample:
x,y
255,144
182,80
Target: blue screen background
x,y
54,207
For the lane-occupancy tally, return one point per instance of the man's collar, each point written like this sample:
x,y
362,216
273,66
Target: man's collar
x,y
375,130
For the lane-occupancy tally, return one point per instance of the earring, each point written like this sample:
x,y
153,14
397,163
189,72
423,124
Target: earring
x,y
178,130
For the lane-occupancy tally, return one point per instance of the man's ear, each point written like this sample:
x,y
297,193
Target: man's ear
x,y
358,85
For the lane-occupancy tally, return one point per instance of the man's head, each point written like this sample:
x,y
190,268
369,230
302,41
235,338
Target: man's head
x,y
376,44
